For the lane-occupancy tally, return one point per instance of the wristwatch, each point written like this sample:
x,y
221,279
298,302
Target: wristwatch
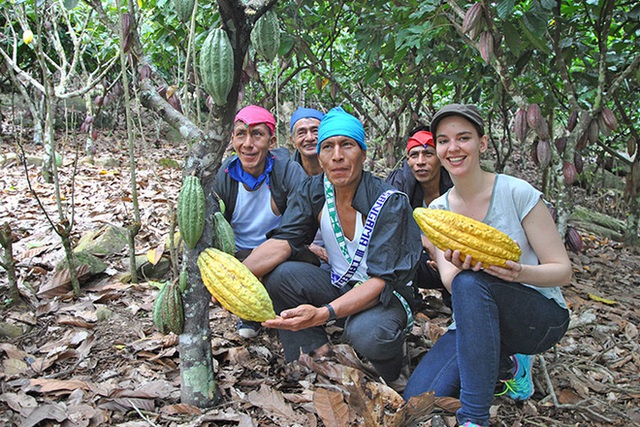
x,y
332,315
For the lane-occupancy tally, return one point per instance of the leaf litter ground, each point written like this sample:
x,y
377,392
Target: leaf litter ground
x,y
98,360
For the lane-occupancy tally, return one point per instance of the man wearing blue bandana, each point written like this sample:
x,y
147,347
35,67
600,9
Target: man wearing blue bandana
x,y
304,137
373,246
256,185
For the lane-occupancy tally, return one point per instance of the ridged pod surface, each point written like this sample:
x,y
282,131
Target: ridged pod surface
x,y
573,240
473,20
184,9
560,143
534,116
609,118
172,310
191,211
156,312
544,153
450,230
216,65
234,286
265,36
569,172
520,124
223,237
485,45
572,121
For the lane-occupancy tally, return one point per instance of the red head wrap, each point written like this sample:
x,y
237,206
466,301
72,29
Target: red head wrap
x,y
420,139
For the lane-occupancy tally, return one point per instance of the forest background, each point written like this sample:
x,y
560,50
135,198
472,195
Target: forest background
x,y
87,81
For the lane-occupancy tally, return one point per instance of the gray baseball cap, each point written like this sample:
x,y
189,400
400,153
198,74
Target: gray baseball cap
x,y
468,111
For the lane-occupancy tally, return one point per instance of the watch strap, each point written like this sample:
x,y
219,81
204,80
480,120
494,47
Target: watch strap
x,y
332,314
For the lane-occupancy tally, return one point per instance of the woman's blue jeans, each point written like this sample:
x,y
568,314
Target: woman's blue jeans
x,y
494,320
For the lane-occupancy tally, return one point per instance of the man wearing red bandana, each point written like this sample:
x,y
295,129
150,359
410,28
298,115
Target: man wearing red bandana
x,y
423,179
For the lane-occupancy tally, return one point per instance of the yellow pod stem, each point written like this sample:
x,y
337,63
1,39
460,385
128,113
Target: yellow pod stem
x,y
234,286
449,230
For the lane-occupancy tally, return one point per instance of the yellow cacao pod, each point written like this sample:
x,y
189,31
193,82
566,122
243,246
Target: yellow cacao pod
x,y
234,286
450,230
27,37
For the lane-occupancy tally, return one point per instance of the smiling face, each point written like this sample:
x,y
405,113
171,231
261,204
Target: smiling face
x,y
459,145
305,136
251,144
424,163
342,160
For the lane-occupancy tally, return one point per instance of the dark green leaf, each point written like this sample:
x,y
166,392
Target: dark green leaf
x,y
504,8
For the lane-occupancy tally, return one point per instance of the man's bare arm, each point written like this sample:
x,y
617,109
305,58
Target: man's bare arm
x,y
267,256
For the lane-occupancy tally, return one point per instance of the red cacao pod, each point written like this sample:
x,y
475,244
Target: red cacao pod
x,y
573,240
473,20
544,153
520,124
126,24
582,142
534,116
485,45
570,173
534,153
572,121
609,119
560,143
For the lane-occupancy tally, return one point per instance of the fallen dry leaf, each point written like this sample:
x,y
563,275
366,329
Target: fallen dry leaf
x,y
331,407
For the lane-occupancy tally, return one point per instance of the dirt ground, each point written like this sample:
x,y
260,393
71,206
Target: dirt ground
x,y
98,360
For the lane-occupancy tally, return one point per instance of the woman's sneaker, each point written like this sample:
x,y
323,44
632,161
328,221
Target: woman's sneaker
x,y
470,424
248,329
520,387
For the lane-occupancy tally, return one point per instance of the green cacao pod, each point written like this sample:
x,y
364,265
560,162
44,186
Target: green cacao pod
x,y
216,65
184,9
184,276
156,312
191,211
172,310
265,36
234,286
223,237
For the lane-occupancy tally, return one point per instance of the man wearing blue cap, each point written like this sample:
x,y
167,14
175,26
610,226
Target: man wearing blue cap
x,y
304,137
373,245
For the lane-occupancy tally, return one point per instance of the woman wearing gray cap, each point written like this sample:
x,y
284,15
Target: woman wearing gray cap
x,y
501,314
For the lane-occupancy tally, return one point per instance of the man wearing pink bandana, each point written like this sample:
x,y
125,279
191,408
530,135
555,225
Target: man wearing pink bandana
x,y
423,179
256,185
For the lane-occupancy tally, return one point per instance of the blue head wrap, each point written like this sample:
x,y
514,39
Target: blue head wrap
x,y
305,113
338,122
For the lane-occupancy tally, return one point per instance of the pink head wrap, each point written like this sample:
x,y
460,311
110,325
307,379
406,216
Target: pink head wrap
x,y
420,139
254,115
